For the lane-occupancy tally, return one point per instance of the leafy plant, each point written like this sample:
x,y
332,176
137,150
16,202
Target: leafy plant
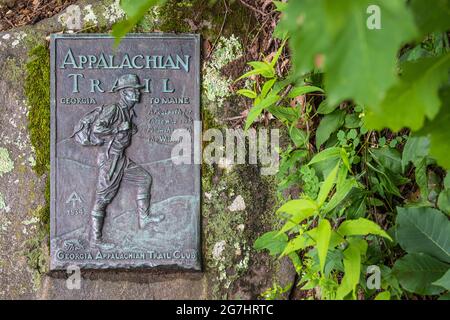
x,y
345,170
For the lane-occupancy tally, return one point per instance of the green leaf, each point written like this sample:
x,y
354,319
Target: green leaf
x,y
447,180
444,281
361,227
359,62
298,243
247,93
445,297
266,70
327,154
259,68
444,201
352,121
413,98
389,158
352,270
385,295
340,195
417,271
323,241
267,86
297,206
299,91
299,137
329,124
135,10
299,210
421,178
256,110
284,113
326,108
431,18
424,230
438,132
416,148
327,185
271,241
277,54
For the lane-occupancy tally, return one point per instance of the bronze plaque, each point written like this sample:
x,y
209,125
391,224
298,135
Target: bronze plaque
x,y
118,198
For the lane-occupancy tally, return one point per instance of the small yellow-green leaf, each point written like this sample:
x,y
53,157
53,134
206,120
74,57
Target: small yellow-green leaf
x,y
299,91
327,185
323,241
352,269
385,295
361,227
247,93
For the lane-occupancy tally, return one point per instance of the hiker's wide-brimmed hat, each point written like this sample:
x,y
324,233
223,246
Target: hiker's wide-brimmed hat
x,y
128,81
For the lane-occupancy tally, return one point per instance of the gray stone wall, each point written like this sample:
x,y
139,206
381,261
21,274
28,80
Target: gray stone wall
x,y
238,203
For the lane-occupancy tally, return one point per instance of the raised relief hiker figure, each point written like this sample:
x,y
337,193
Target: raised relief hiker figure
x,y
111,127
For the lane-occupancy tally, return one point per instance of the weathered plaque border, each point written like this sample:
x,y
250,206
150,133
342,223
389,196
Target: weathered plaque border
x,y
197,148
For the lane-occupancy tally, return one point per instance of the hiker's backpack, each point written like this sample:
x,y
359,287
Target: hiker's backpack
x,y
83,130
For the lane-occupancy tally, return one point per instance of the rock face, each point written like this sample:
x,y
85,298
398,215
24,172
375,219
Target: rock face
x,y
238,202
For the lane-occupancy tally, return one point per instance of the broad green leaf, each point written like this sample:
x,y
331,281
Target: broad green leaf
x,y
416,148
352,270
299,137
267,86
340,195
345,160
327,185
389,158
271,241
284,113
424,230
417,271
447,180
326,108
297,206
299,210
135,10
327,154
431,18
299,91
444,281
359,62
438,132
361,227
323,241
352,121
298,243
445,297
414,98
257,109
329,124
266,69
335,239
280,5
385,295
421,178
247,93
444,201
259,68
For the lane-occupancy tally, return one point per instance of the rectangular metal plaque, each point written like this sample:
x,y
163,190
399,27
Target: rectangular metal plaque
x,y
118,198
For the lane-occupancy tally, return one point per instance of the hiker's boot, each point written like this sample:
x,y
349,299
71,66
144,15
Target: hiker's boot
x,y
97,220
143,210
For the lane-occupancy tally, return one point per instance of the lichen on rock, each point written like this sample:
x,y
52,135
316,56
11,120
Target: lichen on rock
x,y
215,84
6,164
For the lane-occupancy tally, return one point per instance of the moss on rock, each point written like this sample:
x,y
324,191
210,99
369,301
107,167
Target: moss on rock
x,y
37,91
